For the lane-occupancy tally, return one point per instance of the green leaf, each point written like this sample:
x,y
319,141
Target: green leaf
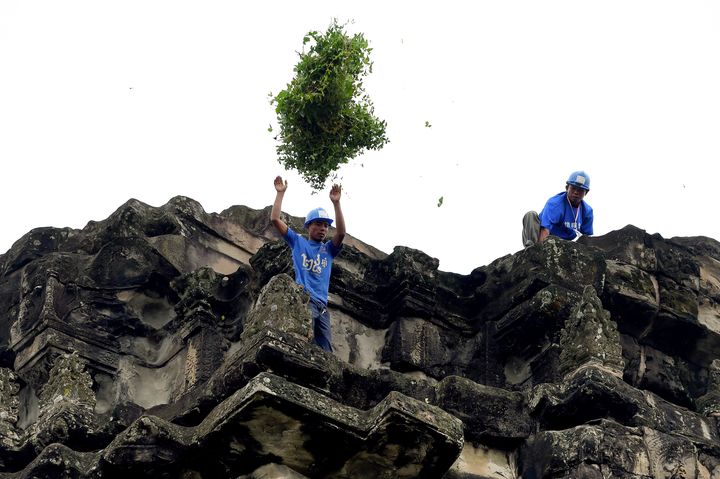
x,y
427,124
324,115
440,201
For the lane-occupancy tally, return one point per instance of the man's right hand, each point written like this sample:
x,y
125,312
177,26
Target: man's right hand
x,y
280,186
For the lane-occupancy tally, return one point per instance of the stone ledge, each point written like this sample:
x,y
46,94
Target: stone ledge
x,y
274,421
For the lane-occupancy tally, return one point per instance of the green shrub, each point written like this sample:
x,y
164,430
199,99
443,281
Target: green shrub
x,y
325,117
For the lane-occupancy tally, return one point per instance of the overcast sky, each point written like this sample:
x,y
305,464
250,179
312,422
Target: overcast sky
x,y
105,101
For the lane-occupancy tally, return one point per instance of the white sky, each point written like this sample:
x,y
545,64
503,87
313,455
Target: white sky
x,y
104,101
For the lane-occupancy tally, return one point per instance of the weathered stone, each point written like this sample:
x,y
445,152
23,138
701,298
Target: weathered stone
x,y
282,306
9,405
630,245
272,259
416,344
632,297
34,245
709,403
490,415
606,449
273,471
68,382
399,437
171,311
526,338
591,394
354,342
708,463
670,456
590,337
67,404
482,462
672,305
59,461
670,377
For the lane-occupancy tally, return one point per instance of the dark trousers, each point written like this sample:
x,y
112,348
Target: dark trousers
x,y
531,228
321,324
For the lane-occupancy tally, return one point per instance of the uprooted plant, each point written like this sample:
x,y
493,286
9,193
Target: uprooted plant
x,y
325,116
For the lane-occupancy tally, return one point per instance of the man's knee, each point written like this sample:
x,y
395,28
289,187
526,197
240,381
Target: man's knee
x,y
531,218
531,228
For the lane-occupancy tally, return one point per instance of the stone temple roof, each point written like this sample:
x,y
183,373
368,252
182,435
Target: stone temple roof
x,y
169,342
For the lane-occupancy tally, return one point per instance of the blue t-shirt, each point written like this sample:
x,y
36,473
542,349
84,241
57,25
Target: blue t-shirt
x,y
563,220
312,261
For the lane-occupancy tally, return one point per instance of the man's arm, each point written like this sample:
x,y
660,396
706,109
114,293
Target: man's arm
x,y
279,224
339,235
544,233
551,215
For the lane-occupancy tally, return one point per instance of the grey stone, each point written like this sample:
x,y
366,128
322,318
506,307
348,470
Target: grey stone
x,y
709,403
282,306
590,337
171,342
9,408
302,429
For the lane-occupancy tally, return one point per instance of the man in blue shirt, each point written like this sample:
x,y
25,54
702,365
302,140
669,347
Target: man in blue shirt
x,y
566,215
313,257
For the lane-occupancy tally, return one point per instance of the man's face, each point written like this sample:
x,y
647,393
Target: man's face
x,y
317,230
575,195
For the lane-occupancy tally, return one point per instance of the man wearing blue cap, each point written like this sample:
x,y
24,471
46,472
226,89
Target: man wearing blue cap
x,y
566,215
313,257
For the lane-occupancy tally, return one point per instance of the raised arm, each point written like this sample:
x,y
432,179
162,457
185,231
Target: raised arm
x,y
339,235
279,224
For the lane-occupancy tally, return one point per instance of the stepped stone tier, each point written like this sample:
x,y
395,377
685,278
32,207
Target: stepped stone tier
x,y
172,343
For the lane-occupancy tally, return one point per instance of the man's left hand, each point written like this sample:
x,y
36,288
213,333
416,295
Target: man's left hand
x,y
335,193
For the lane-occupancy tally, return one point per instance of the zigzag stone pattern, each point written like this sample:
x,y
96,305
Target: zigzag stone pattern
x,y
169,342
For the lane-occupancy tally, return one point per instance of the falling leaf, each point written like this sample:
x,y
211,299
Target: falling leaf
x,y
440,201
270,128
427,124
